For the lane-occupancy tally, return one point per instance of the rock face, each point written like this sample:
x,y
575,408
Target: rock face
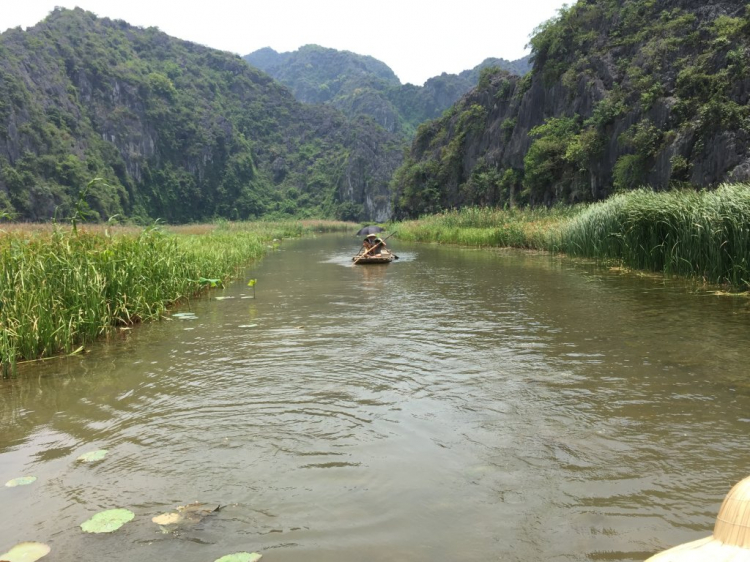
x,y
363,86
177,131
623,94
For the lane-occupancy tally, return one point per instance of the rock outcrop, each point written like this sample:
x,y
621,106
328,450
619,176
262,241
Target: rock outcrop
x,y
623,94
178,131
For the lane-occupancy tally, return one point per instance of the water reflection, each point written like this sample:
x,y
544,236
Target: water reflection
x,y
458,404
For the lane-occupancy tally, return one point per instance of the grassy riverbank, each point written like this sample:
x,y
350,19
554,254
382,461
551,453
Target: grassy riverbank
x,y
704,235
480,226
60,289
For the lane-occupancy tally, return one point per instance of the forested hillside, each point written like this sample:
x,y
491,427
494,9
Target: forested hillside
x,y
361,85
622,94
179,132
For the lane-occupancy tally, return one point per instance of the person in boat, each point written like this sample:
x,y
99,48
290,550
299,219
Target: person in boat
x,y
373,244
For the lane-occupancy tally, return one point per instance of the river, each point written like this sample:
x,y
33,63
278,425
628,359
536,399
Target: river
x,y
457,404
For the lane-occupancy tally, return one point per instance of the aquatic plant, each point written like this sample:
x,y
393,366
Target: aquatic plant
x,y
697,234
702,234
26,552
482,226
62,288
107,521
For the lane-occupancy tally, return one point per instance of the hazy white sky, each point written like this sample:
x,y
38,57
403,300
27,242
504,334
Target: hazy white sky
x,y
416,38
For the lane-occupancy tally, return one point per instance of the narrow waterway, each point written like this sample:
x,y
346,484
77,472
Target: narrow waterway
x,y
456,404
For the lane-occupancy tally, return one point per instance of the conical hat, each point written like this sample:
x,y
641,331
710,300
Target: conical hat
x,y
731,539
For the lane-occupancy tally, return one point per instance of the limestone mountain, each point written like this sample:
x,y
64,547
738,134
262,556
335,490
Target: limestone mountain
x,y
623,93
179,131
361,85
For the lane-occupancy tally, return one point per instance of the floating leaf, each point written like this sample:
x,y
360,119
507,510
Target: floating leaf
x,y
26,552
252,282
93,456
107,521
22,481
240,557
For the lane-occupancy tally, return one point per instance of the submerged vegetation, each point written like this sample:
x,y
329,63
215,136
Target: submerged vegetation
x,y
60,288
704,235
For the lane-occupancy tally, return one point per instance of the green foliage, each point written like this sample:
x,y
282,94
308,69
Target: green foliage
x,y
726,28
547,163
631,169
680,168
507,127
484,76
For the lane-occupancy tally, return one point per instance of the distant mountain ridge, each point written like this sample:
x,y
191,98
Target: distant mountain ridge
x,y
360,85
179,132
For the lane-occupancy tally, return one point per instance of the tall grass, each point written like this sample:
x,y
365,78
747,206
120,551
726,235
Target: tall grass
x,y
476,226
702,234
60,289
694,234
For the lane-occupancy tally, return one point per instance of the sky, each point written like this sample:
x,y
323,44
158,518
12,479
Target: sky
x,y
416,38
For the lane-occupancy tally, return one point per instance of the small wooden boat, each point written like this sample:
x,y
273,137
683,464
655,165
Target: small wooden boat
x,y
386,256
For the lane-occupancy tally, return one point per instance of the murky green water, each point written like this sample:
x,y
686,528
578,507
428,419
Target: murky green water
x,y
454,405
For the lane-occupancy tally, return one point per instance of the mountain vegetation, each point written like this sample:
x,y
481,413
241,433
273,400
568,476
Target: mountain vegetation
x,y
178,131
623,94
361,85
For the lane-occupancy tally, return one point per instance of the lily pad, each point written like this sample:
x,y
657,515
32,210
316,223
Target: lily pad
x,y
107,521
93,456
240,557
22,481
26,552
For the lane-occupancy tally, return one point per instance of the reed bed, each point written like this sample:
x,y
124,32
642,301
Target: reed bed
x,y
60,288
702,234
696,234
536,229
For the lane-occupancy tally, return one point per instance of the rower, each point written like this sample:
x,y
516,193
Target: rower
x,y
374,242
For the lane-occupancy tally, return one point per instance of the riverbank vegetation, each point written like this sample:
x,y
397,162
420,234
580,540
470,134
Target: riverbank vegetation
x,y
61,288
703,235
